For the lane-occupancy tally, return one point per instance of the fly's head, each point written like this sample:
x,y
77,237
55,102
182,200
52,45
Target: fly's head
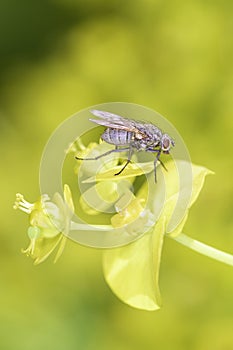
x,y
167,143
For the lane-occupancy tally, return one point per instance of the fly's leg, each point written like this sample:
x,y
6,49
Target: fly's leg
x,y
158,151
155,162
128,160
105,154
163,165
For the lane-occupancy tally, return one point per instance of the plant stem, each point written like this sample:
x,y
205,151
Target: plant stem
x,y
189,242
204,249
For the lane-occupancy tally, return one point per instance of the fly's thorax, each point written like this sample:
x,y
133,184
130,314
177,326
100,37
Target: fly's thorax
x,y
154,134
117,137
140,145
157,134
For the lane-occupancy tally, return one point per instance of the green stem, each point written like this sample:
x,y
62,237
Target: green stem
x,y
191,243
204,249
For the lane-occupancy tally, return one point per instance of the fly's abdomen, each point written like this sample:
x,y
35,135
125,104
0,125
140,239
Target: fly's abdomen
x,y
117,137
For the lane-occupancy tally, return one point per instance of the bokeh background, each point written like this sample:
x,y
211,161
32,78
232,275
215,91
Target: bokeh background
x,y
59,56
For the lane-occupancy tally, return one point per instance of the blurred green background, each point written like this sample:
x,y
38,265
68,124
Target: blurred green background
x,y
59,56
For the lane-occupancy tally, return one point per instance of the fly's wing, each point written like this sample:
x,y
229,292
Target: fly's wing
x,y
114,121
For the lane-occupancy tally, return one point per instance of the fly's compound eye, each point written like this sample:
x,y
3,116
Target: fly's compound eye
x,y
166,143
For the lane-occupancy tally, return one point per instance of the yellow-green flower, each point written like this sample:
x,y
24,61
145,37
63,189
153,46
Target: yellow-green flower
x,y
131,271
49,223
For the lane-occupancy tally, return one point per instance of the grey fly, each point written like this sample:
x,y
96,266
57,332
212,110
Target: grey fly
x,y
131,135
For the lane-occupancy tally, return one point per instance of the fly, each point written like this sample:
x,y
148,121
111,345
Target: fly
x,y
131,135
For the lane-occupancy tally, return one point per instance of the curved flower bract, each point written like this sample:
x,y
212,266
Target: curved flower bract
x,y
132,271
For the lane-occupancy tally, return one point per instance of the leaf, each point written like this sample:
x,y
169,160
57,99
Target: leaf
x,y
132,271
